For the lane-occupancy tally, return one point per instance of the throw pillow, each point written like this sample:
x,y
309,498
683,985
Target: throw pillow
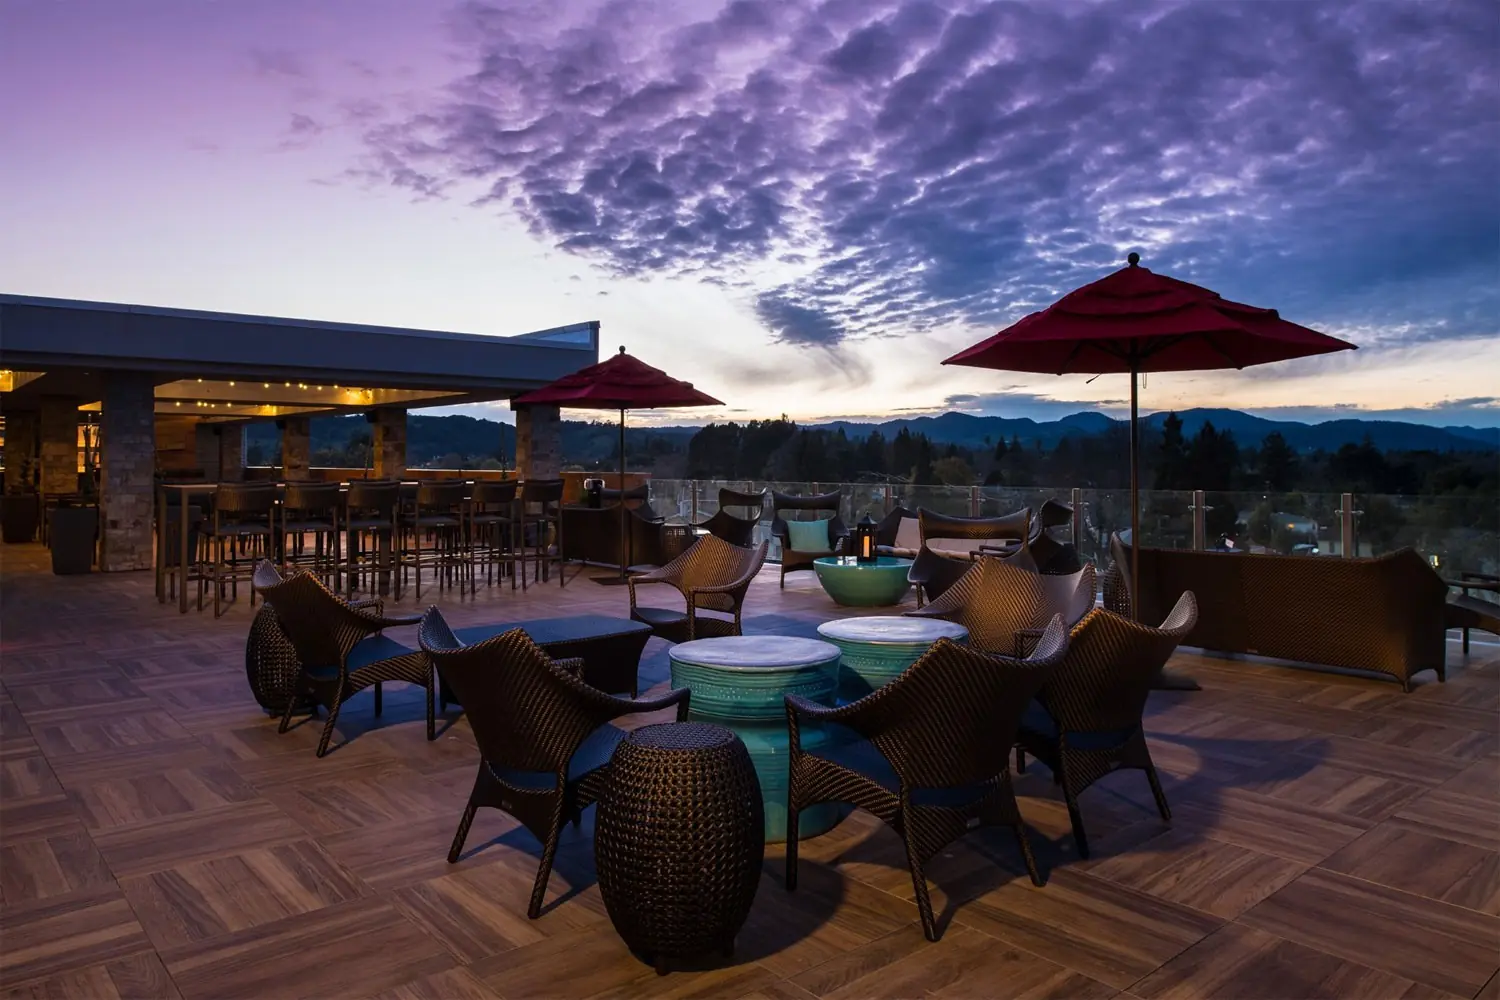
x,y
808,536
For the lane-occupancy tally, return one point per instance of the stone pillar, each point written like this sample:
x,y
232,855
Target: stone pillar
x,y
127,461
20,450
388,441
59,450
231,453
538,442
296,446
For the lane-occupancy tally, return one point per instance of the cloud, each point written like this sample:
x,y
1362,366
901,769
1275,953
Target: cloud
x,y
889,167
277,62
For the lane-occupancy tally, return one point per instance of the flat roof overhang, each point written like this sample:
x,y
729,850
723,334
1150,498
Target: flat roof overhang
x,y
225,365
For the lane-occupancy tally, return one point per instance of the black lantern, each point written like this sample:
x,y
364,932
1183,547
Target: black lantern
x,y
864,540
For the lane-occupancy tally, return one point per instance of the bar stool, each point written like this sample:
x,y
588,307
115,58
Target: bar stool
x,y
439,513
243,525
312,509
371,510
492,532
541,516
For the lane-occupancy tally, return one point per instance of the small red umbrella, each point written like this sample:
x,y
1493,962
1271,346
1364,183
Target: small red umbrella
x,y
619,383
1137,321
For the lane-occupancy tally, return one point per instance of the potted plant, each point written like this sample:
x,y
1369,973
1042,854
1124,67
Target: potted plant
x,y
21,508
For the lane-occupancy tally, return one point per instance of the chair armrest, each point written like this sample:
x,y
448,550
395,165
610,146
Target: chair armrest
x,y
572,664
380,621
375,604
679,697
795,703
1025,640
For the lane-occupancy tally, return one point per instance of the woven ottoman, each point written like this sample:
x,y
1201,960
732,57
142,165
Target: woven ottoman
x,y
678,841
875,651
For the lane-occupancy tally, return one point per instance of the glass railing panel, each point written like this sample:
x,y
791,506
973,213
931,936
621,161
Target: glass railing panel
x,y
1275,523
1461,532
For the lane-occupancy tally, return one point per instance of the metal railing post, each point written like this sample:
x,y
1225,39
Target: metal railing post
x,y
1200,509
1346,512
1076,500
694,518
973,501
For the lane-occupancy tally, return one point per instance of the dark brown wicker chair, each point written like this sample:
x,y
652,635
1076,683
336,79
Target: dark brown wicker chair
x,y
932,757
241,532
1005,606
806,509
371,516
1053,557
1086,722
734,528
438,513
544,736
314,509
341,648
712,575
938,567
1466,611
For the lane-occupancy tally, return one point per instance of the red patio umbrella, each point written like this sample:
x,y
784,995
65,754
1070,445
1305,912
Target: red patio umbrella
x,y
619,383
1137,321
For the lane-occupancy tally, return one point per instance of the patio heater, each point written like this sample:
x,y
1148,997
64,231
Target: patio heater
x,y
864,540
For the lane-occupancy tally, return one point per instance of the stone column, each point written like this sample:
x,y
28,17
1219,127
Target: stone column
x,y
231,453
296,446
59,450
538,442
388,441
20,450
127,461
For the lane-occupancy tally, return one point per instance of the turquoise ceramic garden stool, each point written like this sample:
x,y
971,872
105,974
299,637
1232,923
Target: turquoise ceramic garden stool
x,y
854,584
741,682
875,651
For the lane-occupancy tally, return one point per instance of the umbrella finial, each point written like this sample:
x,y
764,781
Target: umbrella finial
x,y
622,348
1133,259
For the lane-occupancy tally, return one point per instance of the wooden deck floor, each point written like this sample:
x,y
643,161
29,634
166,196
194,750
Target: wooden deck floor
x,y
1331,838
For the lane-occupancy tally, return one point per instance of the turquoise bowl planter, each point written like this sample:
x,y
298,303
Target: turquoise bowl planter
x,y
875,651
854,584
741,682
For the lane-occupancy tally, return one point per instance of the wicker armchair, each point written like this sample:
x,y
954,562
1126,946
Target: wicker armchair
x,y
888,540
931,760
791,559
713,576
1087,719
731,527
544,736
950,543
1053,557
340,647
1005,607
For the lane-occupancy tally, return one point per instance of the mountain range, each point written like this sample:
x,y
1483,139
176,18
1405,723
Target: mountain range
x,y
433,437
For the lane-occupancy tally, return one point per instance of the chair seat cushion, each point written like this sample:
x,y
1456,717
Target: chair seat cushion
x,y
595,752
909,535
1039,721
896,551
375,648
860,755
810,537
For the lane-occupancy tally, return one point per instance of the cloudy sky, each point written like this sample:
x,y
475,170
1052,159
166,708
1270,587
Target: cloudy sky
x,y
801,206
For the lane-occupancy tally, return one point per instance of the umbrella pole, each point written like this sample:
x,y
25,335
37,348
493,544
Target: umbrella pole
x,y
1167,679
624,529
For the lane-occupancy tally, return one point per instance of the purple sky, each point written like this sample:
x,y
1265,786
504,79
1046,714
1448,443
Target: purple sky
x,y
802,207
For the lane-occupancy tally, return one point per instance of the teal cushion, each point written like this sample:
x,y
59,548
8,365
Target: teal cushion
x,y
808,536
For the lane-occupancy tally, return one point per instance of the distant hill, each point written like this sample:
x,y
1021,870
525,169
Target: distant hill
x,y
1388,435
433,438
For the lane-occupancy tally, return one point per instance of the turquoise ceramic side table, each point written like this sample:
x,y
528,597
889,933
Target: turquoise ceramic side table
x,y
863,585
876,650
740,682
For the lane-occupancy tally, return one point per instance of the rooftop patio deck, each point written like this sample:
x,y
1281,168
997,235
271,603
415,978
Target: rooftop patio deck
x,y
1331,837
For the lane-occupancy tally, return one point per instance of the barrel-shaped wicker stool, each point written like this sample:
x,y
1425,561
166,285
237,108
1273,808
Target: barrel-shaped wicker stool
x,y
679,840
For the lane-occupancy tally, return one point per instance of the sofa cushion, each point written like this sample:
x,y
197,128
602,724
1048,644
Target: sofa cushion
x,y
808,536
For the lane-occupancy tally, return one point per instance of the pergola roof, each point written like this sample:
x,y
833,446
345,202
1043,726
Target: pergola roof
x,y
226,365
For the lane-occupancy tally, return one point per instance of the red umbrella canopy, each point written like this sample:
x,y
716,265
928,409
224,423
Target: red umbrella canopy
x,y
1135,318
619,383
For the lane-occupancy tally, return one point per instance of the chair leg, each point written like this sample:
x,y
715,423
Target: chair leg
x,y
1020,761
463,830
1161,798
919,885
333,716
544,870
286,717
1466,642
793,816
1075,816
430,695
1024,843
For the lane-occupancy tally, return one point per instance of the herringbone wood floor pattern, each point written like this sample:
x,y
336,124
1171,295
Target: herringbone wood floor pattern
x,y
1331,838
